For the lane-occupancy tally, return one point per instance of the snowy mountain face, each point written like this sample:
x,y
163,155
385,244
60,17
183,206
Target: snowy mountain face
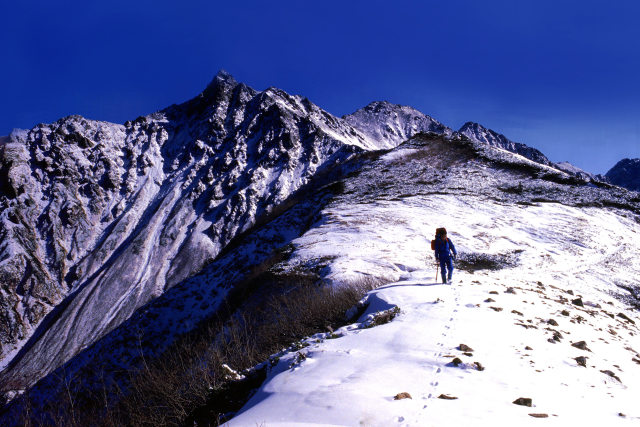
x,y
118,239
626,173
390,125
480,133
98,219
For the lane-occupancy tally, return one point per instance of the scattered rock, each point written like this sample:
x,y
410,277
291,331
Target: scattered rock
x,y
447,397
579,319
581,360
581,345
517,312
570,292
456,361
552,322
620,414
624,316
403,395
565,313
489,300
479,366
636,360
523,401
464,347
557,336
496,308
539,415
468,353
578,302
494,292
608,314
611,374
528,348
510,291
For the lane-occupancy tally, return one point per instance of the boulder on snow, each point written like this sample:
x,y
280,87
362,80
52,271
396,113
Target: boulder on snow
x,y
456,361
581,345
581,360
403,395
625,317
464,347
523,401
447,397
539,415
578,302
611,374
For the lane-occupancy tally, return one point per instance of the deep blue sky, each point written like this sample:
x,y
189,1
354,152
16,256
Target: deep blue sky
x,y
562,76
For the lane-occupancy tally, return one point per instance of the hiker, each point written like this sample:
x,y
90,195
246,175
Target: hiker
x,y
443,247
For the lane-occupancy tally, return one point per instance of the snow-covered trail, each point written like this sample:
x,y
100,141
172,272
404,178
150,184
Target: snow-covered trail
x,y
544,327
506,320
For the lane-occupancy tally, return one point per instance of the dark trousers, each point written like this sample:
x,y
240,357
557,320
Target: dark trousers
x,y
448,263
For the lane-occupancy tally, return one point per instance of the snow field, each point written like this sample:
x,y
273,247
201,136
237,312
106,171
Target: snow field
x,y
508,317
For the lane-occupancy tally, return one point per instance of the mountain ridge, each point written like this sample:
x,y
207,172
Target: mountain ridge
x,y
127,222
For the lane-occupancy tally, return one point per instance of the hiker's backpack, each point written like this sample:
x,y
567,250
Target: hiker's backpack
x,y
439,232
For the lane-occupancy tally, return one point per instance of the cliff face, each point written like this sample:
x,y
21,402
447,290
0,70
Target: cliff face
x,y
98,219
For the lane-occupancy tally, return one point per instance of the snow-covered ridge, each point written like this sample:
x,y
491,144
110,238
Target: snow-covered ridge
x,y
546,327
107,230
478,132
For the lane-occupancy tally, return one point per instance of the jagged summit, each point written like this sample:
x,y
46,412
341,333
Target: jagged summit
x,y
107,230
490,137
391,124
625,173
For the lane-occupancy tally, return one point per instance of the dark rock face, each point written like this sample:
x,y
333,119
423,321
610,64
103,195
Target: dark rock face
x,y
626,173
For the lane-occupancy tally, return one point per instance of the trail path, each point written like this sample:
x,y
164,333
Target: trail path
x,y
352,380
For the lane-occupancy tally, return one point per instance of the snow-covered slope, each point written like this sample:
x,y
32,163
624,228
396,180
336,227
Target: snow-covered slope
x,y
626,173
97,219
390,124
543,299
116,239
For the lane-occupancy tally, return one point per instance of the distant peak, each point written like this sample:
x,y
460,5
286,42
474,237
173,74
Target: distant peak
x,y
221,83
471,125
222,75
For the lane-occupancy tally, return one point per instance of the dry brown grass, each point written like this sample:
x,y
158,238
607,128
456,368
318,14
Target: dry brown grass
x,y
187,384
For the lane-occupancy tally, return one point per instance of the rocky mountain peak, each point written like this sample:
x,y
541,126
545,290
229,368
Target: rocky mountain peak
x,y
391,124
625,173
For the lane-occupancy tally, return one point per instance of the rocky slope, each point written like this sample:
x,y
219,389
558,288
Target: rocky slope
x,y
116,239
98,219
626,173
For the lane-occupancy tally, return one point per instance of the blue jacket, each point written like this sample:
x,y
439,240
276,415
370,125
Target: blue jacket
x,y
443,249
